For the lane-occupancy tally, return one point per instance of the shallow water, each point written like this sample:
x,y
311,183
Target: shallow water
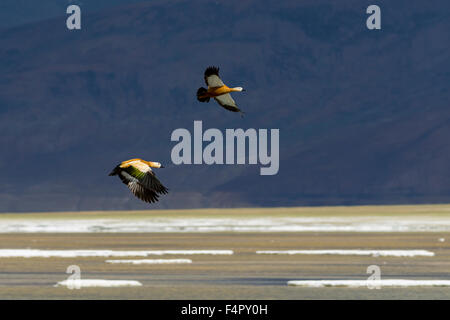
x,y
243,275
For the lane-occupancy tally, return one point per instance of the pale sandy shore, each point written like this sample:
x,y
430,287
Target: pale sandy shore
x,y
424,218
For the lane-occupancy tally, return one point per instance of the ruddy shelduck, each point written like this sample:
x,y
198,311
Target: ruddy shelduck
x,y
137,174
218,90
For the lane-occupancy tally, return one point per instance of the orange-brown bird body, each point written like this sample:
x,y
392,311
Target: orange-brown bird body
x,y
218,90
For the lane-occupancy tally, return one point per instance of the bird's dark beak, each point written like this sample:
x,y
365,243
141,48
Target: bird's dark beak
x,y
162,166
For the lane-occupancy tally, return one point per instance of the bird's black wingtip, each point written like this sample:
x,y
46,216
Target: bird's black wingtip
x,y
211,70
115,171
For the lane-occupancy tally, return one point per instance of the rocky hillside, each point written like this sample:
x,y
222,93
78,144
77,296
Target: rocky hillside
x,y
363,115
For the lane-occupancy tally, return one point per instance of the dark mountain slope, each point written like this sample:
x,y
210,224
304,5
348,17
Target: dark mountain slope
x,y
362,114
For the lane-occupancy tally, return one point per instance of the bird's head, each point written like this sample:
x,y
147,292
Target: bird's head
x,y
155,164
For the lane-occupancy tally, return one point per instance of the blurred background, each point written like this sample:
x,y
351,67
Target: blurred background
x,y
363,115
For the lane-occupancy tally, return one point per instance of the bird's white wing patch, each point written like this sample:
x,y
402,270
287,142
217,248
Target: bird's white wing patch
x,y
226,101
214,81
212,78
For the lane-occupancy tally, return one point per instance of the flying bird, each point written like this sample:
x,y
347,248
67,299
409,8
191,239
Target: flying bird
x,y
140,179
218,90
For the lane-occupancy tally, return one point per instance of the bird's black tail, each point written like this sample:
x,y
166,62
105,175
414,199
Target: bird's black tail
x,y
115,171
201,95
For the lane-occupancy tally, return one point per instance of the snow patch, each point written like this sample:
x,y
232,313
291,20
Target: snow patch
x,y
89,283
36,253
152,261
365,283
374,253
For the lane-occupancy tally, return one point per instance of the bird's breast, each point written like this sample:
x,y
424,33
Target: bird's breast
x,y
217,91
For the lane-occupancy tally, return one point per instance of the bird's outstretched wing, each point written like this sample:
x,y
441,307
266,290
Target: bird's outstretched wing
x,y
143,193
138,189
226,101
147,179
150,181
212,78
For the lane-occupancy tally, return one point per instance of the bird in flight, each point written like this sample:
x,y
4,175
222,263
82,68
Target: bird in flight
x,y
218,90
140,179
